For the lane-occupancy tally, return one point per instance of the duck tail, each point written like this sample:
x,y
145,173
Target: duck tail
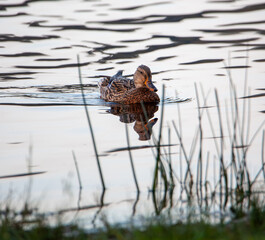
x,y
104,82
103,87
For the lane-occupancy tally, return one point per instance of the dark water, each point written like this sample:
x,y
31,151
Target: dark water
x,y
41,107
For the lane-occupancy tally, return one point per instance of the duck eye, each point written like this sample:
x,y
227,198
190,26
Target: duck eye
x,y
141,72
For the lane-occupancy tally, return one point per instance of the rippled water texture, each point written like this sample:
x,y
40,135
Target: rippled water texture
x,y
42,118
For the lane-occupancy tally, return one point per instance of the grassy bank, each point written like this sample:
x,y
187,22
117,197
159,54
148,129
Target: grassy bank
x,y
250,225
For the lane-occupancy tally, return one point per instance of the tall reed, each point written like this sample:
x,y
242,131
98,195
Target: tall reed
x,y
90,124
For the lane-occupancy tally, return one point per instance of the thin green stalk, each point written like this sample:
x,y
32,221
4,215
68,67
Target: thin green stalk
x,y
135,203
244,93
233,160
211,125
234,112
254,136
100,208
262,154
170,160
235,120
221,157
77,170
199,165
184,152
207,167
194,143
79,181
90,124
180,152
131,159
262,169
237,129
29,161
249,118
206,183
159,164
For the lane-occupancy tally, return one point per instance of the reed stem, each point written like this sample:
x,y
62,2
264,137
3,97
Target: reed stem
x,y
131,159
90,124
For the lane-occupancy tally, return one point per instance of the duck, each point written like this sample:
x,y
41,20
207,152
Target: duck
x,y
120,89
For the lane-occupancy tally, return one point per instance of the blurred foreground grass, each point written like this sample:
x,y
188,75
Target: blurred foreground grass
x,y
249,226
252,227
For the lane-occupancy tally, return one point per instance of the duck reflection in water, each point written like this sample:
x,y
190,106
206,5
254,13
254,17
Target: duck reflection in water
x,y
142,115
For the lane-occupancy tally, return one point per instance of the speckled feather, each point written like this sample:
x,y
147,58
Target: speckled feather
x,y
114,91
137,95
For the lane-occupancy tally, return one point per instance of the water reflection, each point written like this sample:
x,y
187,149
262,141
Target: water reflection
x,y
141,114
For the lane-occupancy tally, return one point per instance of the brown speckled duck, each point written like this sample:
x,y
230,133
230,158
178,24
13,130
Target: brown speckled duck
x,y
129,91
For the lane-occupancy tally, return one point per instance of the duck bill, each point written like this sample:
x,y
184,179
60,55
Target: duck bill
x,y
148,130
151,86
151,123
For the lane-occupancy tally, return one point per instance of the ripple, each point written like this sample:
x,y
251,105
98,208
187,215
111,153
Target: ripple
x,y
14,38
236,67
78,27
163,58
242,23
140,6
14,15
51,59
6,78
13,75
203,61
169,100
5,6
23,54
70,65
233,31
259,60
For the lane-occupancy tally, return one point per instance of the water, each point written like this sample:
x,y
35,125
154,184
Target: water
x,y
42,115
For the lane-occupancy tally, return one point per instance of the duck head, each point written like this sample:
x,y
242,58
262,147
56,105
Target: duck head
x,y
144,130
143,78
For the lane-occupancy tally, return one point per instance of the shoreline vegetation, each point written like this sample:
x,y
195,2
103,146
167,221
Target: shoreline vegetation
x,y
250,225
232,207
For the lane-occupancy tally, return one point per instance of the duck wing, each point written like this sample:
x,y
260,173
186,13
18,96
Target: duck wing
x,y
121,85
113,88
116,76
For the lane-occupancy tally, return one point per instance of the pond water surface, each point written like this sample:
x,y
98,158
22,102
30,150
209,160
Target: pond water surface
x,y
42,117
